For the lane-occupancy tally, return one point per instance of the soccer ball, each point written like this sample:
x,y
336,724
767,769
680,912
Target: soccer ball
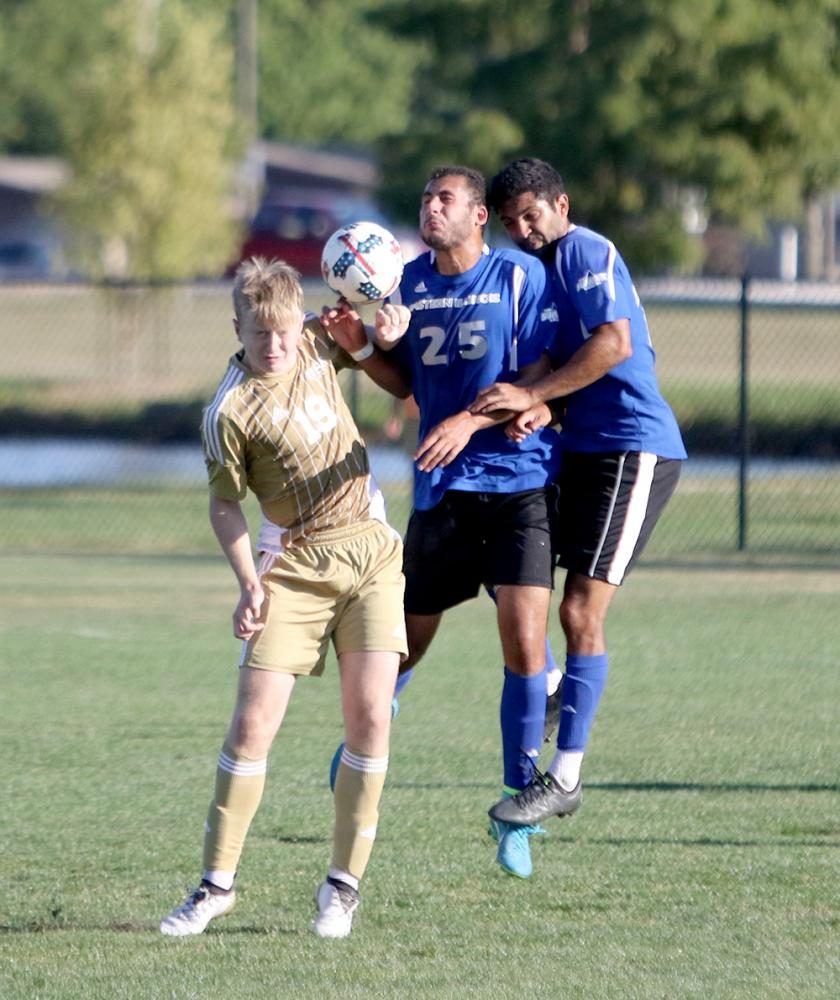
x,y
362,262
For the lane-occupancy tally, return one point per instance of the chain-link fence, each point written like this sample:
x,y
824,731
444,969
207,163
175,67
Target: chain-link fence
x,y
102,390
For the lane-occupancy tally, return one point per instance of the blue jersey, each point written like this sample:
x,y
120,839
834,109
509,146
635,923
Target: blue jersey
x,y
624,410
468,331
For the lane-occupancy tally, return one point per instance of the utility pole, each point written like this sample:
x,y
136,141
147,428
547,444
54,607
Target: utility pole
x,y
247,98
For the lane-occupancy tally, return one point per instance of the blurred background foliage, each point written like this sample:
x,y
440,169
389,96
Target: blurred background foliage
x,y
657,112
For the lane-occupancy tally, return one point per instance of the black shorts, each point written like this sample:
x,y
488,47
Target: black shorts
x,y
470,539
608,506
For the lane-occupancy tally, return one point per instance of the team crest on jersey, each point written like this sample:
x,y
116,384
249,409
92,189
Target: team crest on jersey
x,y
550,315
590,281
316,369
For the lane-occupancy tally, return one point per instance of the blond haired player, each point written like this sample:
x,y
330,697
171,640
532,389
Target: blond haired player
x,y
330,569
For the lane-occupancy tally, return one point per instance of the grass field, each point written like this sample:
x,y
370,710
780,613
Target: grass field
x,y
703,864
793,517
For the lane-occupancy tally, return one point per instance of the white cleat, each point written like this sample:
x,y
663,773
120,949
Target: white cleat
x,y
336,902
196,912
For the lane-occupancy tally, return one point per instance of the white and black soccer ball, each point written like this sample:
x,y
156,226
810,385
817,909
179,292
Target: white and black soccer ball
x,y
362,262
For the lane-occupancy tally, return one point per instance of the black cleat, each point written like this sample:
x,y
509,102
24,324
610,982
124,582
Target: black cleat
x,y
544,797
552,712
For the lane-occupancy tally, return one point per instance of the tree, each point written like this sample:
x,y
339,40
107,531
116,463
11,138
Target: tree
x,y
152,157
640,105
448,120
330,74
43,43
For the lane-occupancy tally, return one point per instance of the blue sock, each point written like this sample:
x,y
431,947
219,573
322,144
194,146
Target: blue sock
x,y
522,714
402,680
583,685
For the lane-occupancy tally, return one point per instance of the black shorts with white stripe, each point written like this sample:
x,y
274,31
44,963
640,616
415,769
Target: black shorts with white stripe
x,y
608,505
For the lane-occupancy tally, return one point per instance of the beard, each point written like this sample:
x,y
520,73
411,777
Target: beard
x,y
454,234
437,240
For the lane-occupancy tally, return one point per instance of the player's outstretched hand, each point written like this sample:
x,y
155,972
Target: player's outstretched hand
x,y
503,396
526,423
445,442
246,616
390,325
345,326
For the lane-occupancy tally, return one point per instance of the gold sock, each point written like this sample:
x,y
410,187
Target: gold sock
x,y
239,787
358,788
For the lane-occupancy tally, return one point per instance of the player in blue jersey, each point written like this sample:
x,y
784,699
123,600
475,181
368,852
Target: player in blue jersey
x,y
622,449
478,316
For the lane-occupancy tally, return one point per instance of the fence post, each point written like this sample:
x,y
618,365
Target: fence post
x,y
743,416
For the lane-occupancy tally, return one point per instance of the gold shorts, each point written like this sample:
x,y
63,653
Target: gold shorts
x,y
346,586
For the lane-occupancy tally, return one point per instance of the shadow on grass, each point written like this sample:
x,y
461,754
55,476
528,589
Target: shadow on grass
x,y
702,842
639,786
692,786
136,927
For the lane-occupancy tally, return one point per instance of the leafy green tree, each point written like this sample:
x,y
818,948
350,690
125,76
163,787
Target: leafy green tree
x,y
152,153
641,106
43,43
457,114
330,74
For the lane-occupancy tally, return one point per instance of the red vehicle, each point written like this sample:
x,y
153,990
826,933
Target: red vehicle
x,y
295,225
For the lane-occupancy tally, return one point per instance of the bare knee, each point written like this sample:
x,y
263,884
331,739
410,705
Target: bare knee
x,y
251,734
582,624
367,727
522,617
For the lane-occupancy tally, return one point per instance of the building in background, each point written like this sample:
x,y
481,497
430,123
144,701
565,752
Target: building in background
x,y
290,198
31,243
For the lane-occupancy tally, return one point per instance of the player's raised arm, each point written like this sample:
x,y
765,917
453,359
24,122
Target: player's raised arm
x,y
513,397
347,330
607,346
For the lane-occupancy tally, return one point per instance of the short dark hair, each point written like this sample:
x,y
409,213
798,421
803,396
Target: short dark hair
x,y
525,174
476,183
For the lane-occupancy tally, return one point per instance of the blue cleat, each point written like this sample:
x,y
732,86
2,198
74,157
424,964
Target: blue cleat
x,y
395,711
514,853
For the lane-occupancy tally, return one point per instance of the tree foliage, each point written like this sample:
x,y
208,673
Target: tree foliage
x,y
329,74
648,108
639,105
147,129
42,44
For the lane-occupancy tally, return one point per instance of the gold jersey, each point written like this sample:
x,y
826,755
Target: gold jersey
x,y
292,440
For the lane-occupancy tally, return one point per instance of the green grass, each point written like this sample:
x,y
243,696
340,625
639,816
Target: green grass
x,y
790,517
704,862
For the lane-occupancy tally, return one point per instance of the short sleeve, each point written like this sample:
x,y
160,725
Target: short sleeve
x,y
589,274
537,324
224,456
325,347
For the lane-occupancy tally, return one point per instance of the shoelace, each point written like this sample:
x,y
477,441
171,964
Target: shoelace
x,y
539,779
192,901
